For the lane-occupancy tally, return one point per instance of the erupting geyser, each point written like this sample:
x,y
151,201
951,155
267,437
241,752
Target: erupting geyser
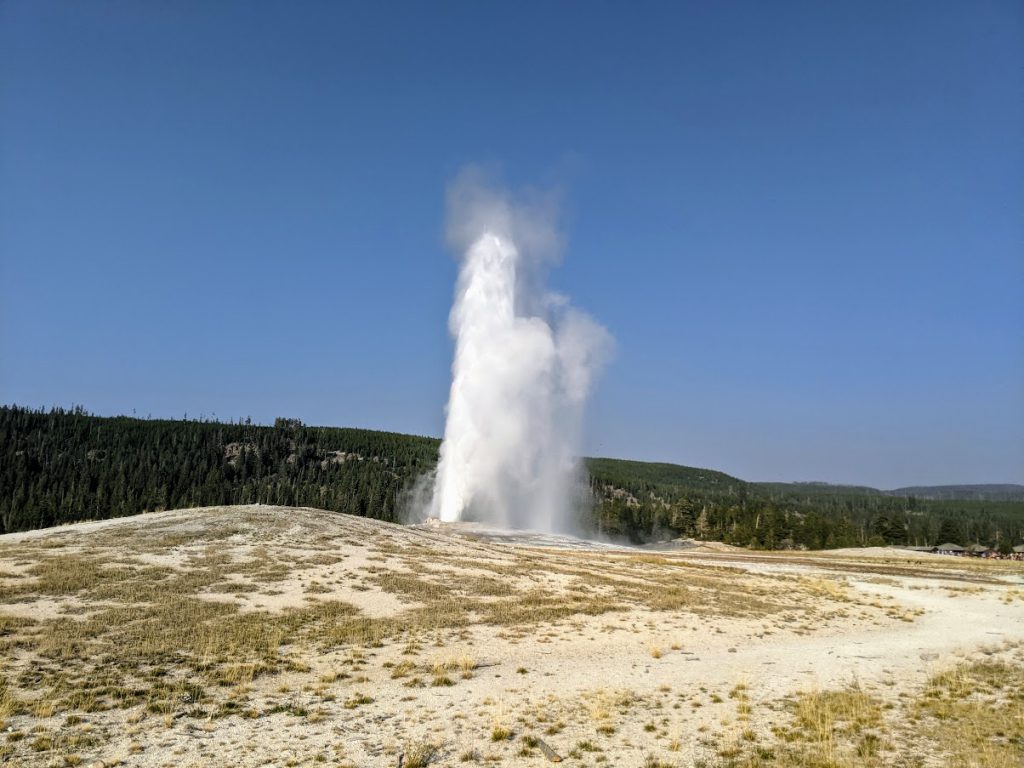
x,y
524,365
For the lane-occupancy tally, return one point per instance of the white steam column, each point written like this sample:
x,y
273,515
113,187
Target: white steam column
x,y
524,364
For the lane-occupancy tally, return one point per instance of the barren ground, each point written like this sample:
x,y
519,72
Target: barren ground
x,y
253,636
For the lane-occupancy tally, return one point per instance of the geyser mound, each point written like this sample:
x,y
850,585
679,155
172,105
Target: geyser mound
x,y
524,365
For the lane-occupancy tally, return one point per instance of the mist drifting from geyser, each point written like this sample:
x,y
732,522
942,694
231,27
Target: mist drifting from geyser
x,y
525,362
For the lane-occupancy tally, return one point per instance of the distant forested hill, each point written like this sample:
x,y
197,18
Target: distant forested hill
x,y
645,501
1005,492
60,466
681,501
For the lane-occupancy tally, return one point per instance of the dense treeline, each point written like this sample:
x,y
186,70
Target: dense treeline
x,y
60,466
654,501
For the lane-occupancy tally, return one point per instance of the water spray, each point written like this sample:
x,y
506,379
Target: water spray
x,y
524,364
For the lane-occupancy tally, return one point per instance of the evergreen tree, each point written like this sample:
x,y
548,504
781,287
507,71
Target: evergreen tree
x,y
896,533
950,532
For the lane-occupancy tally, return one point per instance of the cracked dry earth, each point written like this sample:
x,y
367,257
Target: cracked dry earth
x,y
259,636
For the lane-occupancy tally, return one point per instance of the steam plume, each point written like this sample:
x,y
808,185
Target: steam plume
x,y
524,364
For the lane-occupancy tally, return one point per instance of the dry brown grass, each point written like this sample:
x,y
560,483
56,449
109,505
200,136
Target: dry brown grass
x,y
155,616
420,755
975,712
167,636
971,716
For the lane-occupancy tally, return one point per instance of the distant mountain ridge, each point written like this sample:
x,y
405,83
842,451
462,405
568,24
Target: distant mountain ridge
x,y
983,492
962,492
701,478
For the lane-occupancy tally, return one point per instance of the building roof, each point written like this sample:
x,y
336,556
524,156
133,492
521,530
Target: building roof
x,y
977,548
950,547
1019,548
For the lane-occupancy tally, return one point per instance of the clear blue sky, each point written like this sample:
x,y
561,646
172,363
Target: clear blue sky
x,y
802,222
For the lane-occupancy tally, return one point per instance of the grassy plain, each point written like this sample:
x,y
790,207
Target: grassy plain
x,y
266,635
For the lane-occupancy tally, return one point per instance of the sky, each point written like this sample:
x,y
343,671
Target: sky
x,y
803,223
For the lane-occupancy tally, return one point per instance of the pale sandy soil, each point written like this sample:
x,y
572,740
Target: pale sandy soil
x,y
475,618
